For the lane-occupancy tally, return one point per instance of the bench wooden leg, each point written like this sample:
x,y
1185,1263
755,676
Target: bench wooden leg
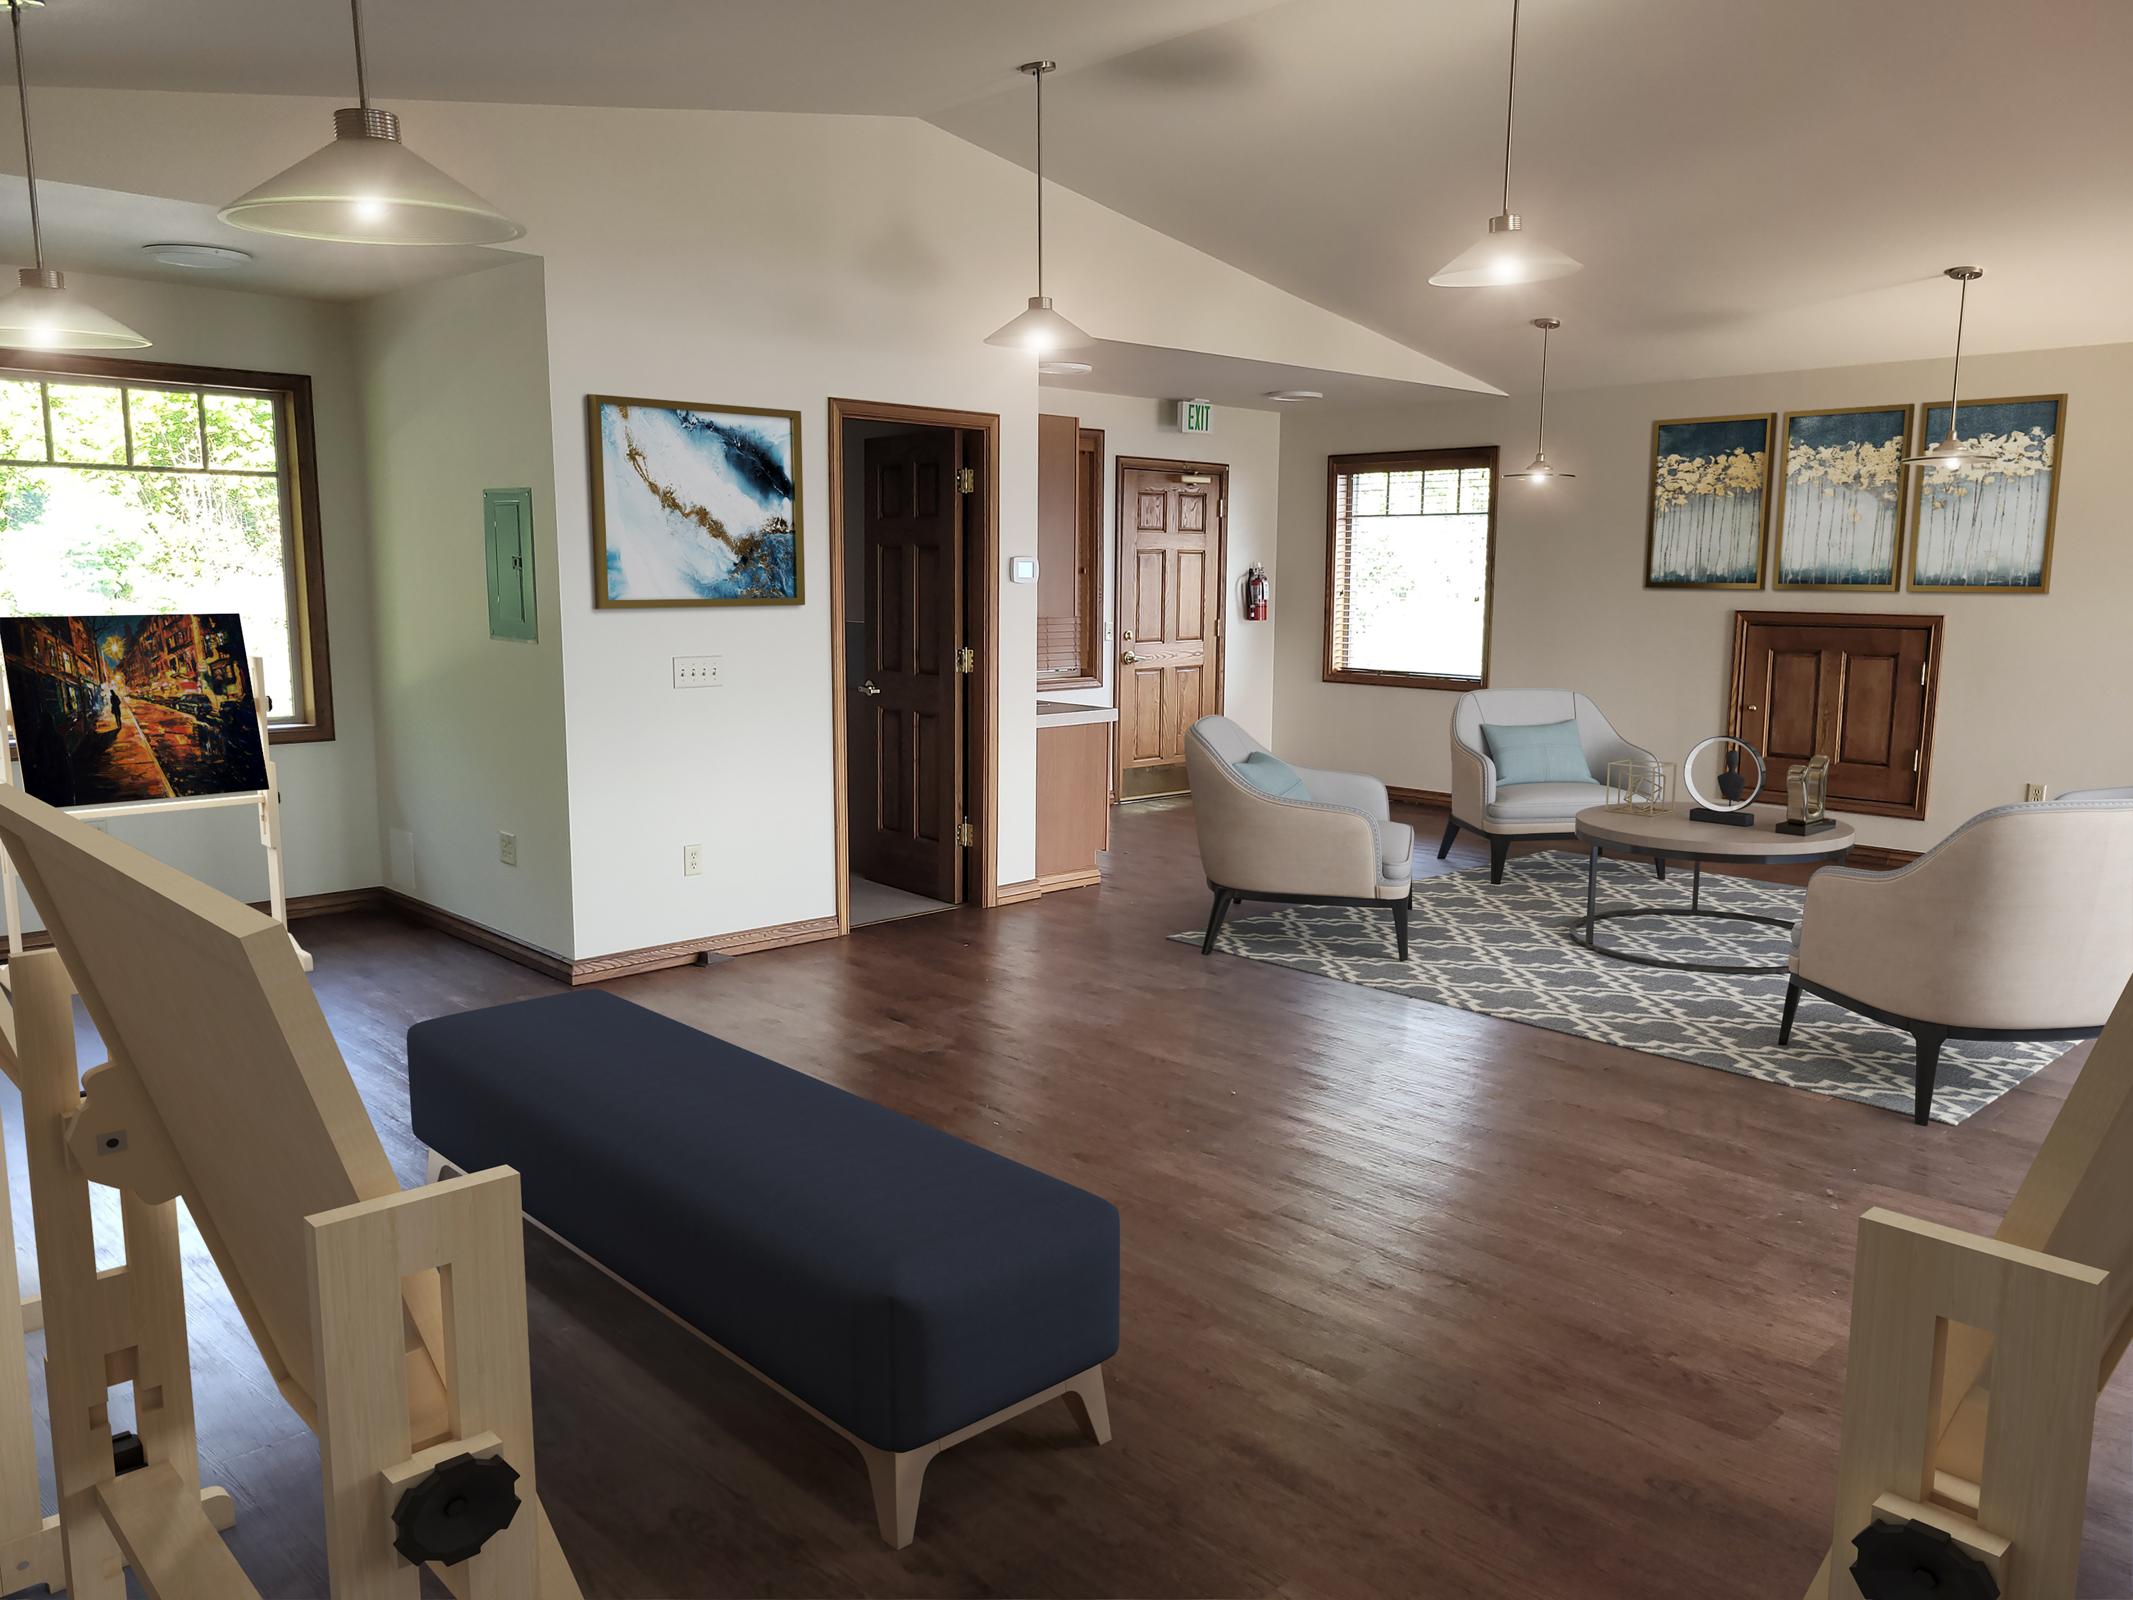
x,y
897,1476
1092,1413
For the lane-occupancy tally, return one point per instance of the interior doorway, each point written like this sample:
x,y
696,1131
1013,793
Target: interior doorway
x,y
1173,547
913,539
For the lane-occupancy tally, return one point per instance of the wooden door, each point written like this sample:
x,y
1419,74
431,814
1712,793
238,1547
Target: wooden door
x,y
1170,616
1856,687
906,702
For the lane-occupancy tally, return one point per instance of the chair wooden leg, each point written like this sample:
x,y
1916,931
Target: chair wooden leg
x,y
1929,1043
1451,832
1792,1009
1092,1413
1499,852
1659,868
1400,908
1223,899
897,1477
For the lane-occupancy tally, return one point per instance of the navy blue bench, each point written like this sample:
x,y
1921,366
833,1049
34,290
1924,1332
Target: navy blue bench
x,y
906,1287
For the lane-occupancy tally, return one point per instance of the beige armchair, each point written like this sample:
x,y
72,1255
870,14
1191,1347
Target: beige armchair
x,y
1503,813
1338,847
2018,925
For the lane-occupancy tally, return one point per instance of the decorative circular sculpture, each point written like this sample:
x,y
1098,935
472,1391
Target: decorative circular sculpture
x,y
1738,795
1912,1561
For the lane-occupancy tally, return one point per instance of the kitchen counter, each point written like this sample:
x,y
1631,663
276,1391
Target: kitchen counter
x,y
1068,714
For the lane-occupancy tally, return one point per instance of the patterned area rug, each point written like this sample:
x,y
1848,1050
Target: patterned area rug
x,y
1505,951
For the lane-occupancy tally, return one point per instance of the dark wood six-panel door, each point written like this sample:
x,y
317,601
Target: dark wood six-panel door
x,y
1170,615
1858,688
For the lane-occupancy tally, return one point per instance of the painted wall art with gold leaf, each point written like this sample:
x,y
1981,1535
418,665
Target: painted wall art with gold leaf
x,y
1986,527
694,505
1710,503
1841,498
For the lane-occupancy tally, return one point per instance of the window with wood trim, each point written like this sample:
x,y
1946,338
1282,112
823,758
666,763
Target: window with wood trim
x,y
1410,550
133,486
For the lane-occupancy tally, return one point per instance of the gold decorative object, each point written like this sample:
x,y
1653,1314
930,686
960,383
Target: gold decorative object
x,y
1807,797
1644,787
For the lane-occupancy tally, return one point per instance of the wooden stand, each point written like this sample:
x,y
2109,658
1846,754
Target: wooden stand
x,y
1969,1401
267,802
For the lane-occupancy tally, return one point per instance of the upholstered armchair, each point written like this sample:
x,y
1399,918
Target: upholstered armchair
x,y
1329,839
2018,925
1502,812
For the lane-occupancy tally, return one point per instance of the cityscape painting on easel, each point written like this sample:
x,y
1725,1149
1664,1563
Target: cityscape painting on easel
x,y
1986,526
115,709
1840,498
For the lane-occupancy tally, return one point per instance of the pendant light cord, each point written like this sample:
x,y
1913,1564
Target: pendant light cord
x,y
1510,100
29,159
1955,384
1039,76
1540,434
355,13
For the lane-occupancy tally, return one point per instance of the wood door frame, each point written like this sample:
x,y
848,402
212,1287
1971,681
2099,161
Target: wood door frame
x,y
1120,466
1932,624
981,779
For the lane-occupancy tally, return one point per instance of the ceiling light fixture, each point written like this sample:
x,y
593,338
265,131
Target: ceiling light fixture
x,y
1040,329
1507,253
1539,471
1949,452
1063,369
368,188
198,257
43,313
1293,396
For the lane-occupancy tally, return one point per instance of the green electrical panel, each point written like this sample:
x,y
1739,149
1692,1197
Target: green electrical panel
x,y
507,530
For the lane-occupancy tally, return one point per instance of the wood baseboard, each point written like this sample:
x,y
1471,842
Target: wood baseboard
x,y
300,907
1417,797
1013,894
546,962
1079,878
1879,858
688,952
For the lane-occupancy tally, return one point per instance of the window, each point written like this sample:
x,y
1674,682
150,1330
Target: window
x,y
1410,546
130,486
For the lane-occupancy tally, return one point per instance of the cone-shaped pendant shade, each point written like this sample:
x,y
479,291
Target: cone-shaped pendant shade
x,y
1040,330
44,314
1538,470
1506,254
368,188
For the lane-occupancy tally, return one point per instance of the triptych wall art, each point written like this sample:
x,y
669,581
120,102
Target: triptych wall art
x,y
1845,506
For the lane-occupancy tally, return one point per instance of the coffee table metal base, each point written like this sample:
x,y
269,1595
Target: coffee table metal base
x,y
1588,935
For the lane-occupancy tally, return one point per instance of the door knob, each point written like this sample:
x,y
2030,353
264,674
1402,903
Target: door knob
x,y
1129,658
1127,636
868,687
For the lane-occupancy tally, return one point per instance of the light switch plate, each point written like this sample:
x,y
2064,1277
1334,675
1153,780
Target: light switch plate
x,y
1021,569
699,672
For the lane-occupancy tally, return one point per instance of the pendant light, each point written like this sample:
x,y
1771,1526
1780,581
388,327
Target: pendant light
x,y
1507,253
1539,471
368,188
43,313
1040,330
1949,452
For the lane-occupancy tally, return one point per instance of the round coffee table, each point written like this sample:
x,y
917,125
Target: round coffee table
x,y
1672,836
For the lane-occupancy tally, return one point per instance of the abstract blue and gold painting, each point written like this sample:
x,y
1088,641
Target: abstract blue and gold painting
x,y
694,505
1986,525
1840,498
1710,496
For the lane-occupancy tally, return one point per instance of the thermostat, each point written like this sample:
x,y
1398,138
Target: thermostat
x,y
1021,569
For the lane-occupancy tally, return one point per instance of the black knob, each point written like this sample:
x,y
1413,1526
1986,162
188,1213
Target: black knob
x,y
457,1509
1913,1561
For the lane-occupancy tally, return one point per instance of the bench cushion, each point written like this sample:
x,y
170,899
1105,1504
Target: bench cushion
x,y
899,1280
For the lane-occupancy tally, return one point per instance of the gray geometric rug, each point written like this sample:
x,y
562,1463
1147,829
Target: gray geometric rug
x,y
1504,950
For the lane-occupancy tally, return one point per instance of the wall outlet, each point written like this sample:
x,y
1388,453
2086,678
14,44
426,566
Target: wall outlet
x,y
507,849
698,672
2033,791
692,861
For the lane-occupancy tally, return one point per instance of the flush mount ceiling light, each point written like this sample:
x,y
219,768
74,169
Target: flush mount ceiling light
x,y
1947,453
1063,369
1538,470
198,257
368,188
1040,329
43,313
1293,396
1507,253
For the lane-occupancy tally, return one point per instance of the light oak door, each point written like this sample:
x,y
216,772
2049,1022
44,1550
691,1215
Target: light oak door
x,y
906,707
1170,618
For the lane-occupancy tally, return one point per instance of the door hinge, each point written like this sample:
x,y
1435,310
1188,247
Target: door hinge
x,y
966,659
966,480
965,834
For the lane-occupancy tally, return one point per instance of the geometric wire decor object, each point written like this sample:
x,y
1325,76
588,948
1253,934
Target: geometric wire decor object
x,y
1645,788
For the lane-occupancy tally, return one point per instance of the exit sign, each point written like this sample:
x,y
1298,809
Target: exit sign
x,y
1196,416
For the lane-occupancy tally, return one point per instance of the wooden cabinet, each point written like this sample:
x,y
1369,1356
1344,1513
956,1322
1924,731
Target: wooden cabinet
x,y
1073,792
1857,687
1069,504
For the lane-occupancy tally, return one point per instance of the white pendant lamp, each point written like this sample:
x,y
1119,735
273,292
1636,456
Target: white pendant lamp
x,y
368,188
1943,454
1040,330
1506,253
1538,470
43,313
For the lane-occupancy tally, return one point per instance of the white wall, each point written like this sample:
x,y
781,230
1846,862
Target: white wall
x,y
329,800
1249,444
2032,686
454,386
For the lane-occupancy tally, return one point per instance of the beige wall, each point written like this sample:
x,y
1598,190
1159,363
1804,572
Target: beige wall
x,y
2032,686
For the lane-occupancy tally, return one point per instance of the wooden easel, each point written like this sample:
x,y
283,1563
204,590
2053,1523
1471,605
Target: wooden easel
x,y
394,1323
267,802
1969,1400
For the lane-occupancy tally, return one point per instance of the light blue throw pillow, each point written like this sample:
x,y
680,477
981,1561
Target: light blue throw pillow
x,y
1272,775
1536,752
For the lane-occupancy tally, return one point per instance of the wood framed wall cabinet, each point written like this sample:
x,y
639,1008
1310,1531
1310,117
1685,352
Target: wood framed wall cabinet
x,y
1070,486
1858,687
1173,552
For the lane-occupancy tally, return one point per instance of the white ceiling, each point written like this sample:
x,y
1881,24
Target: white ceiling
x,y
1145,369
1742,178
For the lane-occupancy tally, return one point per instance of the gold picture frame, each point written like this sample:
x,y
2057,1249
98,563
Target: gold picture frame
x,y
775,557
2055,445
1901,476
1721,435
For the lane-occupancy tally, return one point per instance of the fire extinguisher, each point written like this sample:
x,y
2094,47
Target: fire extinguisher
x,y
1258,596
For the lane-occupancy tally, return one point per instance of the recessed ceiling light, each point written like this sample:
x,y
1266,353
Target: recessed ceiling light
x,y
1064,369
204,257
1289,396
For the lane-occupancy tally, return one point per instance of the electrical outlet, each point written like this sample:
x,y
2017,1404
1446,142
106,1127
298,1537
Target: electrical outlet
x,y
2033,791
692,861
698,672
507,849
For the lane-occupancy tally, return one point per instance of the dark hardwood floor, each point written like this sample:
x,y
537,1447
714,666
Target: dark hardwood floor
x,y
1416,1302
